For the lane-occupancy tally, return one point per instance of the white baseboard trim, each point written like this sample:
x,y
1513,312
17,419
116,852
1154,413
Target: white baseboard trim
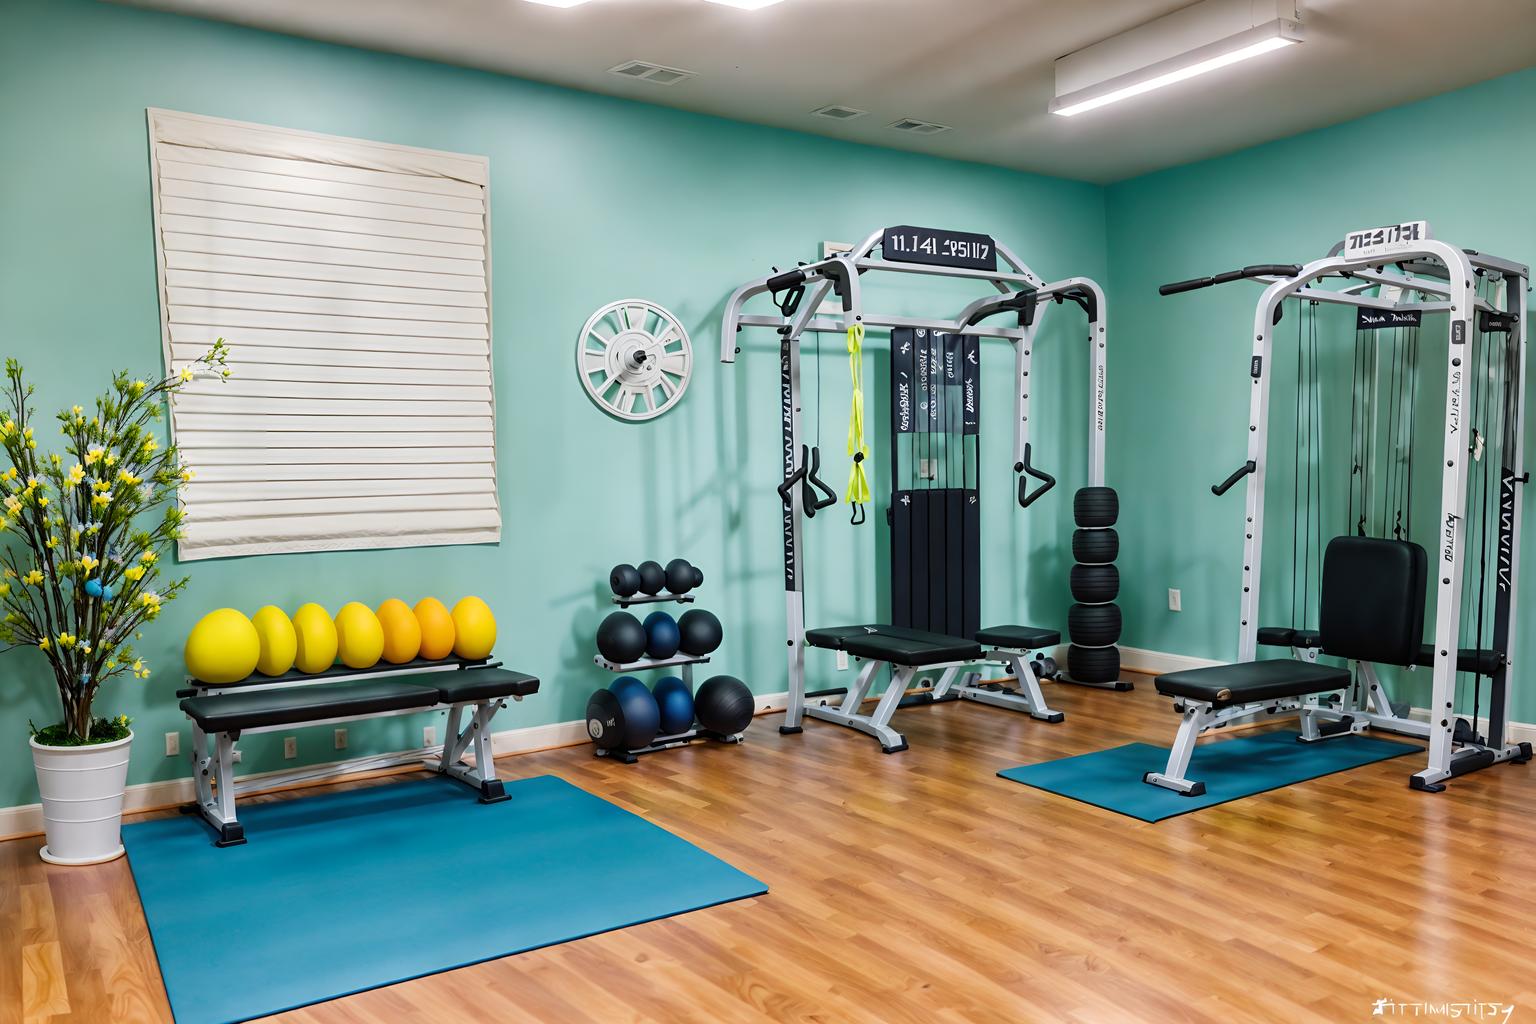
x,y
27,819
1137,659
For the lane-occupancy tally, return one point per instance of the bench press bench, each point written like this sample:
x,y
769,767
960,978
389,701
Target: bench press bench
x,y
907,651
221,714
1371,609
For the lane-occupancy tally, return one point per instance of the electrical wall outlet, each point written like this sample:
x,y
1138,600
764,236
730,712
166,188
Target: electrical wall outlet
x,y
341,739
1175,600
290,747
842,660
235,756
172,744
429,735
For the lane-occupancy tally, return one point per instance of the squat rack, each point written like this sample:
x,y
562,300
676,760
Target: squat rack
x,y
1022,292
1401,261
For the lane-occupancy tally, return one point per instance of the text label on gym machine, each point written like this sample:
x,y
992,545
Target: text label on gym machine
x,y
1384,240
938,247
1385,319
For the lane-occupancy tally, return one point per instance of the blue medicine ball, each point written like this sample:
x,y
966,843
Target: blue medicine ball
x,y
675,701
661,635
641,716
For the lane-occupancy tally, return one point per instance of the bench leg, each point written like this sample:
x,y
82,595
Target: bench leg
x,y
1196,717
476,735
878,723
214,774
1027,698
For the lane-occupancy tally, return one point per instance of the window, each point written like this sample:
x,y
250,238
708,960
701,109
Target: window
x,y
350,281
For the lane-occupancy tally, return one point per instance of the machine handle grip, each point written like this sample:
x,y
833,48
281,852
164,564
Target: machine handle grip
x,y
1256,270
1026,496
788,279
1226,485
813,482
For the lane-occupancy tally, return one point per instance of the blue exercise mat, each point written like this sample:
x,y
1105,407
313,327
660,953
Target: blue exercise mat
x,y
1111,779
340,893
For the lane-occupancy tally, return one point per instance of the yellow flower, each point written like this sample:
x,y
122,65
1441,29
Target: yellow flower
x,y
111,459
149,558
136,388
66,640
76,474
88,563
150,600
53,542
85,648
149,446
101,499
134,573
128,478
12,504
76,410
44,644
138,664
32,578
187,475
42,502
186,374
27,433
5,588
93,455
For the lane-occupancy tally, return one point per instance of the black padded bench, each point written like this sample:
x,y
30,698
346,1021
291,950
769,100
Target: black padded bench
x,y
1371,609
907,650
224,713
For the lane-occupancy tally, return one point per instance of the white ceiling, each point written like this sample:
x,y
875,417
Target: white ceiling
x,y
982,67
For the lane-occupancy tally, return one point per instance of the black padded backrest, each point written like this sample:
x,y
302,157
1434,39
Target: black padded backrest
x,y
1373,599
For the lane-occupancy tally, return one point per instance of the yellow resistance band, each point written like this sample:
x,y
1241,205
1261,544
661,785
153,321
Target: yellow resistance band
x,y
858,478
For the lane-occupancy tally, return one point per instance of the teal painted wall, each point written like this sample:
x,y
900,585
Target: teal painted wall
x,y
1179,404
594,199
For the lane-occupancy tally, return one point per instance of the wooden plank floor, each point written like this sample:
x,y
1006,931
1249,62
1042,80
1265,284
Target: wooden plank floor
x,y
920,887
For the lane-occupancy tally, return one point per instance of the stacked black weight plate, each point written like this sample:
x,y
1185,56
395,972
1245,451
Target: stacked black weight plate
x,y
1093,623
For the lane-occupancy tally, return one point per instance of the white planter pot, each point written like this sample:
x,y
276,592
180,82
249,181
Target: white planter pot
x,y
82,790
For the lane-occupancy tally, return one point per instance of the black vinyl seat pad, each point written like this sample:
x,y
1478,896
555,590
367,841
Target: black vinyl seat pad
x,y
486,684
293,705
1024,638
895,644
1245,682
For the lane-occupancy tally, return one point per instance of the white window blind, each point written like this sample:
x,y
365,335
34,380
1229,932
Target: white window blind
x,y
350,281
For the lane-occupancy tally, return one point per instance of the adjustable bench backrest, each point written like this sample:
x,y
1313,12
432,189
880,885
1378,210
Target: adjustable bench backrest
x,y
1372,605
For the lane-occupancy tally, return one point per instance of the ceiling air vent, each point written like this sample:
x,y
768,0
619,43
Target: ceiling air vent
x,y
913,126
839,113
656,74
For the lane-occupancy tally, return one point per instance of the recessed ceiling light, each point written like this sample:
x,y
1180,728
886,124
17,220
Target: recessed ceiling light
x,y
746,5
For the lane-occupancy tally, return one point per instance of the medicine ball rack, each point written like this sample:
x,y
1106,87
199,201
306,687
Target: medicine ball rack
x,y
683,663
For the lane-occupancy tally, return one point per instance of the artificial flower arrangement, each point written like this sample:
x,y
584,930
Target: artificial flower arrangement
x,y
83,573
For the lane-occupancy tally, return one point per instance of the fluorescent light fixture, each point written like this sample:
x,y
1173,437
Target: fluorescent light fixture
x,y
1189,42
746,5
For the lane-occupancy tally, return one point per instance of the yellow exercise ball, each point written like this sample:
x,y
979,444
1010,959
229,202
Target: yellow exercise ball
x,y
474,629
222,648
402,633
359,637
316,638
279,641
436,628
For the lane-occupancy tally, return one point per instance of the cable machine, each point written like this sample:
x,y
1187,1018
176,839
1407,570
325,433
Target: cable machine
x,y
934,461
1375,580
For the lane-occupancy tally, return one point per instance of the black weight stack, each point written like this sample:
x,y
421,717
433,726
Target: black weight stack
x,y
1093,623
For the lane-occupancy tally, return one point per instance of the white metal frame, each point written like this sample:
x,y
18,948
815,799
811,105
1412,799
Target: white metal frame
x,y
843,271
1418,271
